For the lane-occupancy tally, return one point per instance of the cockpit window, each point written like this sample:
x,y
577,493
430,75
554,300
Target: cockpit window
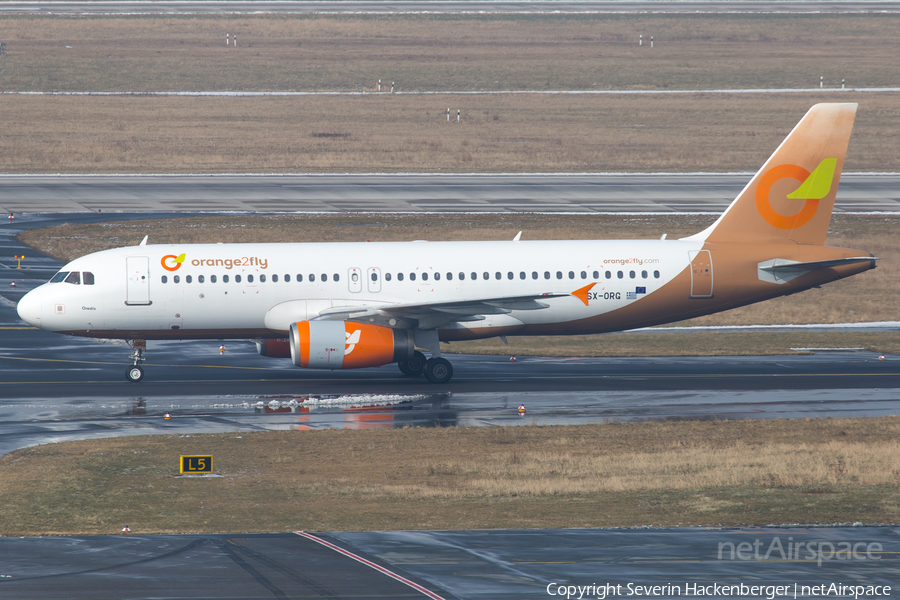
x,y
74,277
59,277
88,278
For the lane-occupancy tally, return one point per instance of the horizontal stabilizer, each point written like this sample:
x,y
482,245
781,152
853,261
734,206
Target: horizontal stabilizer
x,y
781,270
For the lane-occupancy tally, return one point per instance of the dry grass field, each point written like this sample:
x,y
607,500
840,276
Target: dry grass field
x,y
687,473
509,133
397,133
447,52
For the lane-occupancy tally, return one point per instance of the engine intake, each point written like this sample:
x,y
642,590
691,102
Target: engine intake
x,y
348,345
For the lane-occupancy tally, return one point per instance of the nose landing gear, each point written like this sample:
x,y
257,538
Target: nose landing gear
x,y
136,373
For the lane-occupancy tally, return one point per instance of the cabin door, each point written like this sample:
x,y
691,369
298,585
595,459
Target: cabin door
x,y
138,281
701,274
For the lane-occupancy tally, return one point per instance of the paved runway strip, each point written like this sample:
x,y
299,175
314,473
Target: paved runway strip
x,y
465,565
574,193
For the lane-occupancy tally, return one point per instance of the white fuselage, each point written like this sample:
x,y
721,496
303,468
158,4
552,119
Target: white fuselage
x,y
257,290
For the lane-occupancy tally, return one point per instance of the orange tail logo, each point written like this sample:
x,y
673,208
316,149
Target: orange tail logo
x,y
813,187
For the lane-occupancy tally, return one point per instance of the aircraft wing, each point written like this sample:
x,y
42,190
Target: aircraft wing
x,y
435,314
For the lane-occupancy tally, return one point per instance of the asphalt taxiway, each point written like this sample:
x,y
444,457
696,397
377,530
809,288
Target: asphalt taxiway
x,y
470,565
191,7
575,193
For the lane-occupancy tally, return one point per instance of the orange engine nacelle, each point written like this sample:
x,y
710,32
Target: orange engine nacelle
x,y
277,348
348,345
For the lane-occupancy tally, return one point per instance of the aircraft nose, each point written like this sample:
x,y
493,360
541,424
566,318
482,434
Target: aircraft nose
x,y
29,308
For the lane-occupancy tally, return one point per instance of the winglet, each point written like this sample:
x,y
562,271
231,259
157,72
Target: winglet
x,y
144,241
582,293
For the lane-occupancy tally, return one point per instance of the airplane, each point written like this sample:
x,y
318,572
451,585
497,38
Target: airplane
x,y
354,305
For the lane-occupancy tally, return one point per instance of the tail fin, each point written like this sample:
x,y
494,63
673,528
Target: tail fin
x,y
791,197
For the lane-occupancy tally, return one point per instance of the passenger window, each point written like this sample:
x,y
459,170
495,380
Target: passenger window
x,y
387,276
425,276
462,276
474,276
212,279
336,277
274,278
631,274
164,279
437,276
584,274
620,274
509,275
262,278
608,274
644,274
656,274
87,278
287,278
299,278
312,277
534,275
399,276
188,279
559,274
250,278
486,275
200,279
176,279
354,278
571,274
449,276
497,275
521,274
61,276
374,276
74,278
224,278
546,274
412,276
596,274
237,278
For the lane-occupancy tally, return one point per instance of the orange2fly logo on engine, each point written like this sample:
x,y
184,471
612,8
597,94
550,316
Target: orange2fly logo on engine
x,y
170,262
813,187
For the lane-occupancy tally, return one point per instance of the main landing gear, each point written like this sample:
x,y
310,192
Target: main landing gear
x,y
435,369
136,373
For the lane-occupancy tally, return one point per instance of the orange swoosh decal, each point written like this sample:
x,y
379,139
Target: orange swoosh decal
x,y
582,294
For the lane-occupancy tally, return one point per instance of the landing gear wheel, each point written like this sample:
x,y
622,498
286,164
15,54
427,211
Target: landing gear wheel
x,y
134,374
413,367
438,370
